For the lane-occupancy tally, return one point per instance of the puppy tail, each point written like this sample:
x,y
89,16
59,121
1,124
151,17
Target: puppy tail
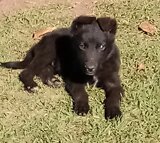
x,y
19,64
13,65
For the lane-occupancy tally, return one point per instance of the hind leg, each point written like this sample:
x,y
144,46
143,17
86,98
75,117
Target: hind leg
x,y
26,76
34,68
48,77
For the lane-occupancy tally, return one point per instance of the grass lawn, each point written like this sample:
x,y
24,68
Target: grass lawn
x,y
46,116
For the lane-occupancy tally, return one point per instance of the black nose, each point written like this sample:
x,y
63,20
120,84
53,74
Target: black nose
x,y
90,68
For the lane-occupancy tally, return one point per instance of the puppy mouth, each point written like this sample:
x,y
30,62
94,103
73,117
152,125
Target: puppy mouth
x,y
91,73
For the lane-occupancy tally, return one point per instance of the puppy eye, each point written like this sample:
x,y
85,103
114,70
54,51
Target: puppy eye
x,y
82,46
102,47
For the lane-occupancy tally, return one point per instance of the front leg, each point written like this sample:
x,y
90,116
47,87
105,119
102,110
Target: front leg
x,y
79,97
113,92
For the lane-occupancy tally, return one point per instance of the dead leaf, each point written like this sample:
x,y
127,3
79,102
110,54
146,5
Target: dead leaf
x,y
141,66
147,27
40,33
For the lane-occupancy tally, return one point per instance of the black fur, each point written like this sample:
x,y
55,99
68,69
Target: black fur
x,y
80,54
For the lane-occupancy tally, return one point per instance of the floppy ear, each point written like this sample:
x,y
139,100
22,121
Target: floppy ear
x,y
107,24
78,22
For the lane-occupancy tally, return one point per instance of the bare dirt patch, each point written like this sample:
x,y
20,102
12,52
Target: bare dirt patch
x,y
79,7
82,7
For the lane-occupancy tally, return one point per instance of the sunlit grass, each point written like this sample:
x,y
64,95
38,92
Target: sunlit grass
x,y
46,116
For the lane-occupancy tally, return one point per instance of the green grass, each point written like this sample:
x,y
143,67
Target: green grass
x,y
46,116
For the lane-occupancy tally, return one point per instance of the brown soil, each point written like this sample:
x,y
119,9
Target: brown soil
x,y
80,7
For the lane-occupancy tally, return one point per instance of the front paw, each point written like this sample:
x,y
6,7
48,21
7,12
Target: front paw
x,y
112,111
81,107
31,88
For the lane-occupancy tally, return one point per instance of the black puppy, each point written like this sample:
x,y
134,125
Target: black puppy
x,y
85,52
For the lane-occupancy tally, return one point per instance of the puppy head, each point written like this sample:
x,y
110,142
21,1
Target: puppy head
x,y
93,40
